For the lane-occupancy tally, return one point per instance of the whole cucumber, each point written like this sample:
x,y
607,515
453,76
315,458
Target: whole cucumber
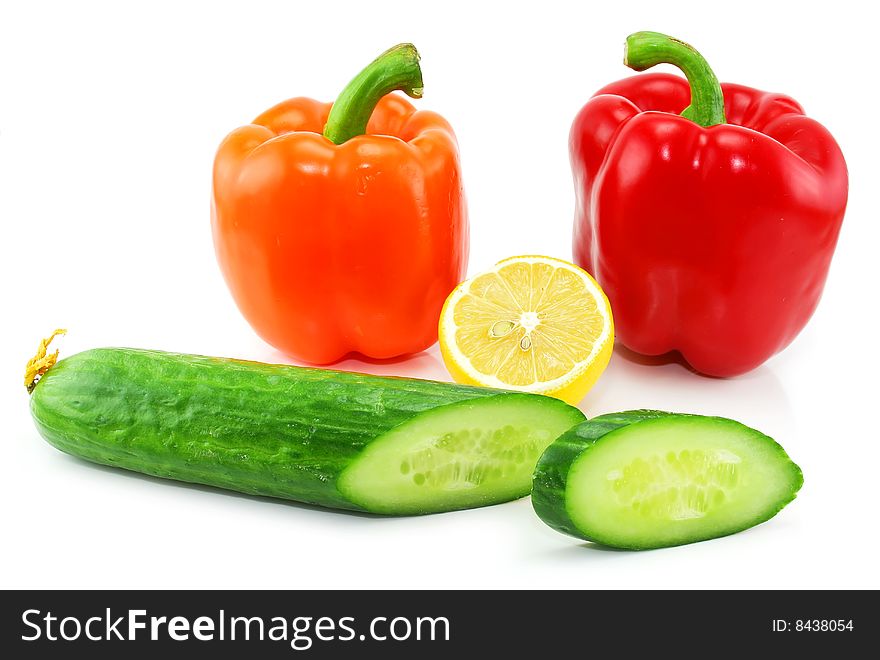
x,y
337,439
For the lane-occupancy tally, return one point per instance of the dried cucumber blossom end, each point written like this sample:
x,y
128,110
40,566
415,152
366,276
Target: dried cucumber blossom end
x,y
41,362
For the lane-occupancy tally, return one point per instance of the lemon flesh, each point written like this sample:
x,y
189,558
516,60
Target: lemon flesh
x,y
534,324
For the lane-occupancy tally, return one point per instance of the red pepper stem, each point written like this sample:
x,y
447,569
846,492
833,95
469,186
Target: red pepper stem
x,y
646,49
395,69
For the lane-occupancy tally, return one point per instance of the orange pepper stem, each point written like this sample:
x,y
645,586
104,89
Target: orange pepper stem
x,y
395,69
646,49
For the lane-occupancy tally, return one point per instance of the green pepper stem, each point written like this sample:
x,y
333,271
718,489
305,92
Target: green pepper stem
x,y
646,49
395,69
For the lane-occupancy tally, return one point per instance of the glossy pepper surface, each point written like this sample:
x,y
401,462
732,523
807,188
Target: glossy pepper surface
x,y
342,227
708,212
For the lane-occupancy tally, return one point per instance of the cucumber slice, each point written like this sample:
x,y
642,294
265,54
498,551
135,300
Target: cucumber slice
x,y
649,479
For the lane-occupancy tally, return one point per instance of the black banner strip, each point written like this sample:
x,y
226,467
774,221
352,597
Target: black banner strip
x,y
435,624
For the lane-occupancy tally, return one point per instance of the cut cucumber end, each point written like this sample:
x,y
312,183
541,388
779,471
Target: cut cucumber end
x,y
659,481
462,455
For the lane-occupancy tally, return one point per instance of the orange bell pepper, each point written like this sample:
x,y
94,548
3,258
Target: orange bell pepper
x,y
342,227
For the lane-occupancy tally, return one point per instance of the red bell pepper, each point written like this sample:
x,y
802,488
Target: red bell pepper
x,y
708,212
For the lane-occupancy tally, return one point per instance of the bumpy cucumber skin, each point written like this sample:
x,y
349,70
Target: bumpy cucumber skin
x,y
551,476
273,430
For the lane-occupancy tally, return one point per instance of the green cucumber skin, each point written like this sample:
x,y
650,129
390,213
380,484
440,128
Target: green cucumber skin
x,y
273,430
551,473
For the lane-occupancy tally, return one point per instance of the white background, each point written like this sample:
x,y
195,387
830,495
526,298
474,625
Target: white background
x,y
110,114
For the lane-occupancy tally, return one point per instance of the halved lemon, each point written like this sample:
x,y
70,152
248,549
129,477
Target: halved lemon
x,y
534,324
